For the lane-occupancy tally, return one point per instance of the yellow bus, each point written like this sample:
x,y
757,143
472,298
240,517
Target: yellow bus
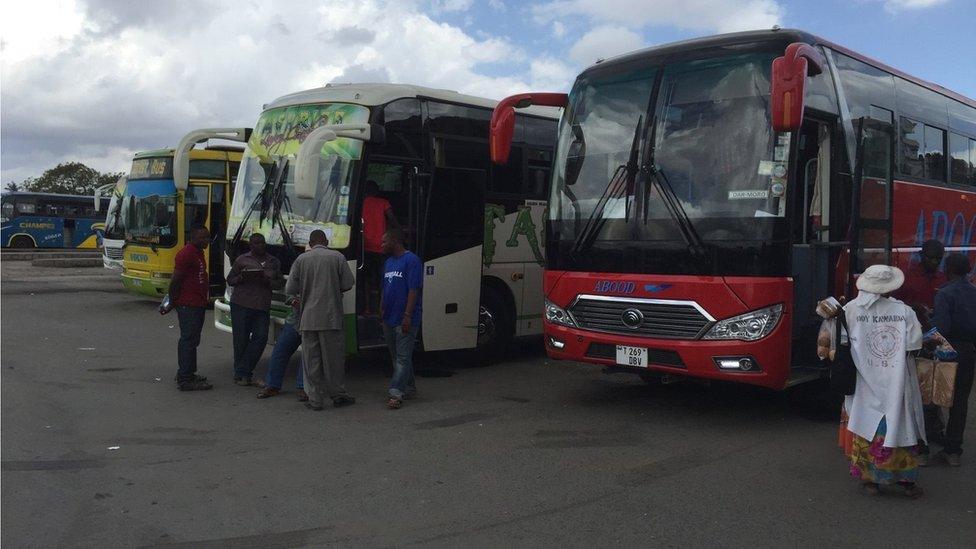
x,y
160,211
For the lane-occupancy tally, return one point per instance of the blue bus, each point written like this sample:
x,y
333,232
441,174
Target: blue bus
x,y
42,220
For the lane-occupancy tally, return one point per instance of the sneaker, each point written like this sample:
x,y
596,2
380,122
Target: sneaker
x,y
243,381
870,489
343,401
195,385
952,460
301,395
268,392
196,377
314,407
913,491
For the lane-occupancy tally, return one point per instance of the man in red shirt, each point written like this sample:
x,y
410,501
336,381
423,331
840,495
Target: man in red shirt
x,y
378,216
189,292
922,279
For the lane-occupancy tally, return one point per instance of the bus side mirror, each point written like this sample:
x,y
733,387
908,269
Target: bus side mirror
x,y
310,152
181,157
788,83
502,128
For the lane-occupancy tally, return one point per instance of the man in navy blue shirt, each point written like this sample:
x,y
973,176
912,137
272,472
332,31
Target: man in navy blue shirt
x,y
955,317
401,310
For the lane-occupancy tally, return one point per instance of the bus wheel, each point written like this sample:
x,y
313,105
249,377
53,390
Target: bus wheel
x,y
495,325
21,241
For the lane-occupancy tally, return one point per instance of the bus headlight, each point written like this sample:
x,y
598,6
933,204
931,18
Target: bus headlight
x,y
558,315
747,327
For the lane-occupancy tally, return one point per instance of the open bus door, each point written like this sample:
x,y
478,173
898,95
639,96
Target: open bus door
x,y
452,240
872,197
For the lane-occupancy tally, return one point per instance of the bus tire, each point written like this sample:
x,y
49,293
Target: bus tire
x,y
21,241
496,324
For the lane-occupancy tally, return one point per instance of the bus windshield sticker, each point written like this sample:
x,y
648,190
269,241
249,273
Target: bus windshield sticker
x,y
758,194
280,131
765,167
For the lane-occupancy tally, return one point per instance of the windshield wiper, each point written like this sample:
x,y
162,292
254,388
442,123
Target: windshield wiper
x,y
262,198
673,204
621,184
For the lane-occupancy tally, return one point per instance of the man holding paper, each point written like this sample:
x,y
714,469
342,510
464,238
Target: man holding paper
x,y
253,277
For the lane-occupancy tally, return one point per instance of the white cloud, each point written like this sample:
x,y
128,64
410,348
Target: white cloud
x,y
705,15
451,5
87,81
558,29
497,5
604,41
549,74
895,6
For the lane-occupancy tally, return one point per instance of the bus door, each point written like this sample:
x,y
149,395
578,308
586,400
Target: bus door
x,y
397,184
219,201
872,197
196,211
810,214
453,237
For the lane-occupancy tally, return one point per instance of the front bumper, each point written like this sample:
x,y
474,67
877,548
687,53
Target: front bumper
x,y
692,358
145,286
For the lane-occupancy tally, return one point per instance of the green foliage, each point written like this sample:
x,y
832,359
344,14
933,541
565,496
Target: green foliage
x,y
68,178
12,187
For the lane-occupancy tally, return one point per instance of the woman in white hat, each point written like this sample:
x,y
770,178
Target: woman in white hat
x,y
886,416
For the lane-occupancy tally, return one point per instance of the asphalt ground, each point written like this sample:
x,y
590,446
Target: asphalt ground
x,y
99,449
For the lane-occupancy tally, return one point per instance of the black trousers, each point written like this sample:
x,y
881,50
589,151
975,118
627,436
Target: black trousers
x,y
960,399
191,324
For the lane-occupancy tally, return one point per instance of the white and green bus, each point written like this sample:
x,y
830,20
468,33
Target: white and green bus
x,y
477,227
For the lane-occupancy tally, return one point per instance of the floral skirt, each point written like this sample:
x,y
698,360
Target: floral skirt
x,y
871,461
845,438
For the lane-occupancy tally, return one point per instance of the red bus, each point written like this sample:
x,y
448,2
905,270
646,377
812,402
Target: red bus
x,y
707,193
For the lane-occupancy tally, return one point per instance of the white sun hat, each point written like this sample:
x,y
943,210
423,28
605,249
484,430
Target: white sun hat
x,y
880,279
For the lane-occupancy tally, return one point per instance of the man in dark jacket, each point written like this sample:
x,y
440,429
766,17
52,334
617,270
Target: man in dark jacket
x,y
252,279
955,317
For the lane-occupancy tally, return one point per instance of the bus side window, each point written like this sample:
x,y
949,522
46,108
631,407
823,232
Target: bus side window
x,y
196,205
8,210
234,167
26,208
404,131
507,178
537,175
447,119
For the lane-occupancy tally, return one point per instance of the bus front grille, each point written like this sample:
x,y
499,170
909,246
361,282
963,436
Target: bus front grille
x,y
657,318
113,253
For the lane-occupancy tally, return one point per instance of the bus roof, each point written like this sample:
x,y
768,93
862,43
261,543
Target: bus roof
x,y
212,152
790,35
370,95
29,194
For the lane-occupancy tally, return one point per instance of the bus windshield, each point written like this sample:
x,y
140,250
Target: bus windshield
x,y
258,203
715,167
115,217
150,212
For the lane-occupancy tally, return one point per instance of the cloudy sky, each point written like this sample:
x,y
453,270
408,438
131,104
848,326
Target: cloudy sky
x,y
97,80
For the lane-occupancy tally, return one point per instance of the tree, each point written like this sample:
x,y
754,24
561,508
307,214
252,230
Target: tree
x,y
12,187
69,178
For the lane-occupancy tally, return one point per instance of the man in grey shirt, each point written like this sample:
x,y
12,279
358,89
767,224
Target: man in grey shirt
x,y
317,279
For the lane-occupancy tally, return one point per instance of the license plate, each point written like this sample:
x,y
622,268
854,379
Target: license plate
x,y
632,356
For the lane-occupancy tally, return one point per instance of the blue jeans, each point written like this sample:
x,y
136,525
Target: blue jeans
x,y
400,346
250,337
288,342
191,324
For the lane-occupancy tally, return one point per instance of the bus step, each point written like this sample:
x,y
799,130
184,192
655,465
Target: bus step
x,y
805,374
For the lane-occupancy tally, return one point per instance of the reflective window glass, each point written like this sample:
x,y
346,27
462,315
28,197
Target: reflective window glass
x,y
935,165
912,147
959,167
